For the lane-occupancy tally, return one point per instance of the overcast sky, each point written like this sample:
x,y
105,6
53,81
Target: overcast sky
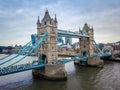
x,y
18,18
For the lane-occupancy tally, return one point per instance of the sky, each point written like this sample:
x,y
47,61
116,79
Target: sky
x,y
18,18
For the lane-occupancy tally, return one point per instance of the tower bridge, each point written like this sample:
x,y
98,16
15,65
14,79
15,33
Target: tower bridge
x,y
45,43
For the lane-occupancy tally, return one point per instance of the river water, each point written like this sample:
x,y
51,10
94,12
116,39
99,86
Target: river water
x,y
78,78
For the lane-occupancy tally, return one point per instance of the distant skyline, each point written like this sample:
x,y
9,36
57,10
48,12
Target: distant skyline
x,y
18,18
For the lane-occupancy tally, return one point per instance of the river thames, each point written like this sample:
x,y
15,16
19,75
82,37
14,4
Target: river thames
x,y
78,78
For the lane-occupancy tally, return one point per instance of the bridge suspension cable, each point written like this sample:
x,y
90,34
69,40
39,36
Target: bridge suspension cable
x,y
98,47
102,53
21,58
22,52
33,48
16,51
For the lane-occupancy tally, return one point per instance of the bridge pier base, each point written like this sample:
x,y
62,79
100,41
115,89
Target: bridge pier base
x,y
51,72
82,63
96,61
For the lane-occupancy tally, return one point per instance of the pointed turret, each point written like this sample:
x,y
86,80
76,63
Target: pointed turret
x,y
38,21
46,17
55,19
46,10
86,28
79,29
92,27
85,23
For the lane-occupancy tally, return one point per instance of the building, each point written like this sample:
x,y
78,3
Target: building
x,y
48,49
68,40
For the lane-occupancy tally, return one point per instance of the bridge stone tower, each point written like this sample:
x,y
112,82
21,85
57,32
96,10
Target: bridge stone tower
x,y
47,51
86,43
87,48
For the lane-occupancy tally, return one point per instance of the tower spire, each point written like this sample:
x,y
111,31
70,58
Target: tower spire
x,y
55,19
92,27
38,21
46,10
46,17
86,23
79,29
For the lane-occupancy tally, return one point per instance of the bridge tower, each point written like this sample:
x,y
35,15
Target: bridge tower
x,y
47,51
86,43
87,48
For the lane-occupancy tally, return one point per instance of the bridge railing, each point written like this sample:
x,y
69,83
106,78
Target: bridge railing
x,y
19,68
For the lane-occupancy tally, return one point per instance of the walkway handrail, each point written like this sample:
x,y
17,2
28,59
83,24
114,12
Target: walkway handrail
x,y
21,69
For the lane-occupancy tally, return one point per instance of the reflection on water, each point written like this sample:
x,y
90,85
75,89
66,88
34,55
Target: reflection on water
x,y
79,78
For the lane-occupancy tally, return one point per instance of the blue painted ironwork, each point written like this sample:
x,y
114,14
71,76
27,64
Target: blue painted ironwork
x,y
7,70
22,52
33,48
17,50
101,54
60,40
64,60
21,58
97,47
19,68
34,38
63,33
34,43
68,40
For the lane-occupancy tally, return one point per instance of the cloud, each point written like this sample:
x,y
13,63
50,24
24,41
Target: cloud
x,y
19,11
20,18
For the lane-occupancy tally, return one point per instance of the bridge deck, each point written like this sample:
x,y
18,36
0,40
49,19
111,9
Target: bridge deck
x,y
30,66
19,68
